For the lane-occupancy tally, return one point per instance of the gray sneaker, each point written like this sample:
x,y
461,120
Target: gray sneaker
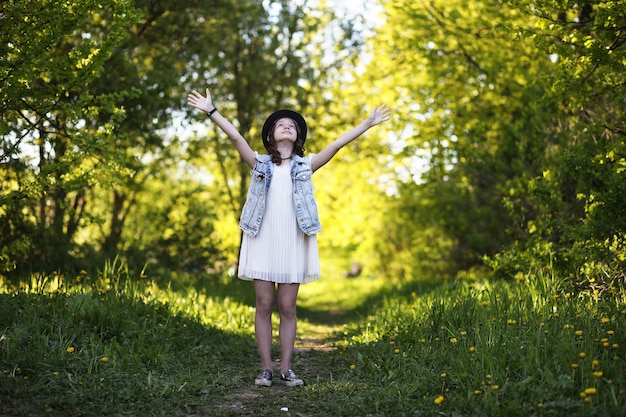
x,y
291,379
264,379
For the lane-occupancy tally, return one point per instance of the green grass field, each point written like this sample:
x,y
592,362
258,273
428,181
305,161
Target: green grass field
x,y
115,344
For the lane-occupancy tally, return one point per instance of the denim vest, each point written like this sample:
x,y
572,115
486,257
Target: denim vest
x,y
303,198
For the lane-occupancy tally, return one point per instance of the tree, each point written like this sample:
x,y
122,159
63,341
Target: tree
x,y
52,152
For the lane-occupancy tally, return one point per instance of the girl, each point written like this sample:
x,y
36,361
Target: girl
x,y
280,221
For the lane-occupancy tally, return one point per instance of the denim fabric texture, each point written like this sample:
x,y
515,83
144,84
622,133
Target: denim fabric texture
x,y
303,195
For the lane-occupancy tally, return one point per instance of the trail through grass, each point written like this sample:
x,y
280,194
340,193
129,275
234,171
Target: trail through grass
x,y
114,344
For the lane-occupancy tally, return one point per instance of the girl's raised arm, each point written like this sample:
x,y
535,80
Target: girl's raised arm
x,y
379,115
205,104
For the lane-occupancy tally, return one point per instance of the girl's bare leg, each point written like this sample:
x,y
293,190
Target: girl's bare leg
x,y
263,321
287,294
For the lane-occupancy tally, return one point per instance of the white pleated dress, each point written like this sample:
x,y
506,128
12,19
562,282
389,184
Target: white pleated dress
x,y
280,252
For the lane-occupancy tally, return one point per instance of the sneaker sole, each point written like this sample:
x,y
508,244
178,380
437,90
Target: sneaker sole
x,y
262,383
292,383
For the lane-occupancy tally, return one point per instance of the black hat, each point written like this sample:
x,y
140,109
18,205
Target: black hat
x,y
290,114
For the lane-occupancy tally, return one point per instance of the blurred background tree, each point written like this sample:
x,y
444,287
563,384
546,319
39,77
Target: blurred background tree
x,y
505,151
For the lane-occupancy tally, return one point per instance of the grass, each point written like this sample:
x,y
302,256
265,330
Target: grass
x,y
113,344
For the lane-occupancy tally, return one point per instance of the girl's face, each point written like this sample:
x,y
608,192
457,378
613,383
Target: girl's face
x,y
285,129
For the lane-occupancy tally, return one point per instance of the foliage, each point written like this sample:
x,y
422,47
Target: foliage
x,y
114,343
52,151
511,135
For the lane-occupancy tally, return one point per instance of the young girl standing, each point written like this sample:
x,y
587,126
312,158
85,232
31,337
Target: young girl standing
x,y
280,222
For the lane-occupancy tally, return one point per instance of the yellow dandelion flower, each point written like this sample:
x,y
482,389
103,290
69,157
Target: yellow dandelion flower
x,y
396,351
488,376
392,343
443,375
477,392
539,405
485,303
472,349
579,333
413,294
511,321
463,333
595,363
605,344
590,391
439,400
598,374
105,359
437,339
587,400
605,320
610,332
55,373
495,387
582,355
353,366
70,349
614,345
453,340
574,365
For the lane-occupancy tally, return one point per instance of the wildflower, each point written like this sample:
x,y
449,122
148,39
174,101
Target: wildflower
x,y
605,320
477,392
396,351
70,349
453,340
105,359
439,400
579,333
574,365
488,376
615,346
353,366
392,343
590,391
587,400
437,339
55,373
413,294
610,332
598,374
485,303
595,363
568,326
495,387
511,322
582,355
472,349
464,333
443,375
539,405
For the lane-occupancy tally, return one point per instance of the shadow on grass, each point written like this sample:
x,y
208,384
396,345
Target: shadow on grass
x,y
102,355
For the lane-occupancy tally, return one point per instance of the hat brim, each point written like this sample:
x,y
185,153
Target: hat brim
x,y
281,114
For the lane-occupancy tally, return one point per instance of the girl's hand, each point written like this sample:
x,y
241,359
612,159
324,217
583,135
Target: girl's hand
x,y
197,100
378,115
